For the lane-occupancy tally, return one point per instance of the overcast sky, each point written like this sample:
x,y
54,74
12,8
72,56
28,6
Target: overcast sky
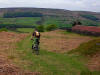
x,y
83,5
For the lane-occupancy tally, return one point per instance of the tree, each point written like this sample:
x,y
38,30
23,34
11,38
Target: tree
x,y
40,28
51,27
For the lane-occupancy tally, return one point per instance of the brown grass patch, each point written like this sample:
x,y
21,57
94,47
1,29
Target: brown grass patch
x,y
56,41
7,46
94,62
6,68
7,41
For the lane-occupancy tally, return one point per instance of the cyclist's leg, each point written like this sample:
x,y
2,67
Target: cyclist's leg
x,y
37,50
33,45
37,46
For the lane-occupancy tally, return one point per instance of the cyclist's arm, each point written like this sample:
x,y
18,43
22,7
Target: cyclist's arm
x,y
32,36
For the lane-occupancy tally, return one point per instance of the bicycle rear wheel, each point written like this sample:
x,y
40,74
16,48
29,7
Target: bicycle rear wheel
x,y
36,50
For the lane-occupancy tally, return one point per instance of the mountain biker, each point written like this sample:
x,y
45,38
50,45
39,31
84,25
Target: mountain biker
x,y
36,39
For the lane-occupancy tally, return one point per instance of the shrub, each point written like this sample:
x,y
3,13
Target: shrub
x,y
87,29
51,27
3,29
40,28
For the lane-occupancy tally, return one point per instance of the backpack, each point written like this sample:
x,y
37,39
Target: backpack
x,y
37,34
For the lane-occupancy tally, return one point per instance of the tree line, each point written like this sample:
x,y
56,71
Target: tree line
x,y
21,14
14,26
91,17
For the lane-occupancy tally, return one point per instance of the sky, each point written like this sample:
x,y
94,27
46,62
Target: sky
x,y
75,5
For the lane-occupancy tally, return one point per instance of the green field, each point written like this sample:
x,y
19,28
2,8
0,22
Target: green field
x,y
34,21
20,21
60,22
25,30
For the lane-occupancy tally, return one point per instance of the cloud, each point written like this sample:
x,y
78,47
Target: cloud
x,y
84,5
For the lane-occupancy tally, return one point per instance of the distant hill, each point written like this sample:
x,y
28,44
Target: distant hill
x,y
51,12
60,16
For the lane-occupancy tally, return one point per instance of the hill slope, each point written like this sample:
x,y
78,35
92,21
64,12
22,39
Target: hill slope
x,y
90,49
47,63
64,16
52,12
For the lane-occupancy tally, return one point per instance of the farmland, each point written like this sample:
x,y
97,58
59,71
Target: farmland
x,y
20,21
30,22
61,18
33,21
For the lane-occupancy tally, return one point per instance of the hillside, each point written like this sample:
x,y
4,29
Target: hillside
x,y
16,54
50,12
59,17
19,53
90,50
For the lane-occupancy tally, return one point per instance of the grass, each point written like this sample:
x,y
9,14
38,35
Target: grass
x,y
60,22
27,21
25,30
32,21
20,21
3,29
89,48
71,33
48,63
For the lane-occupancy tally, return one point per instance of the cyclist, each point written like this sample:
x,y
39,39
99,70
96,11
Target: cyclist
x,y
35,42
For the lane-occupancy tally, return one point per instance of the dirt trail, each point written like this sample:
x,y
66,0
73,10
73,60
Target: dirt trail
x,y
57,41
7,40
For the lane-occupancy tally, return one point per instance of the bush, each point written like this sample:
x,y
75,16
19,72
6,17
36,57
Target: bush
x,y
40,28
51,27
3,29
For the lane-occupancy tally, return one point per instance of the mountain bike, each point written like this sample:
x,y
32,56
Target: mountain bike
x,y
35,46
